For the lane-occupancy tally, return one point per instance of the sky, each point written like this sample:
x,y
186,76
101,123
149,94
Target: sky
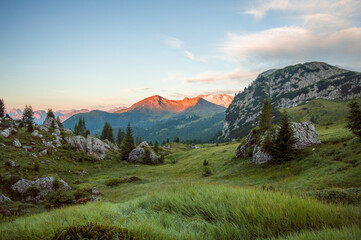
x,y
104,54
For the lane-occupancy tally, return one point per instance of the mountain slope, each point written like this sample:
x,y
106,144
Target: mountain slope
x,y
288,87
156,118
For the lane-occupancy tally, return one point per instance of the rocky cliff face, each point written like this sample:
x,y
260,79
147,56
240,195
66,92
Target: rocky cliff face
x,y
288,87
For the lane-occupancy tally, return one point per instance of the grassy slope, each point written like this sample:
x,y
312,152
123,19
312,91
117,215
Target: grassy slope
x,y
334,164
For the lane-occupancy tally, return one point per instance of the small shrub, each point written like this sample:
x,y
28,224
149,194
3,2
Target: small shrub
x,y
207,171
173,161
59,199
113,182
338,196
57,184
36,165
68,147
85,157
133,179
205,162
82,192
32,191
93,231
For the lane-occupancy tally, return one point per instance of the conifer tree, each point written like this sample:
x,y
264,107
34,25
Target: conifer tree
x,y
59,122
354,118
107,132
50,113
127,144
30,127
167,140
156,146
2,108
80,128
76,129
28,114
120,136
87,133
282,145
265,121
163,142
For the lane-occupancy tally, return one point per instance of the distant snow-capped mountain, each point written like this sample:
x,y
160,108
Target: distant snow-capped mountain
x,y
219,99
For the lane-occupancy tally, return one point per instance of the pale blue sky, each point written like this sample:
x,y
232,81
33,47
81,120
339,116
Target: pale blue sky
x,y
101,54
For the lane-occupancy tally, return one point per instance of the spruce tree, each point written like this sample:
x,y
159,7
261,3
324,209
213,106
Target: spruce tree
x,y
156,146
265,121
50,113
30,127
282,145
59,122
107,132
120,136
127,144
28,114
76,129
2,108
354,118
167,140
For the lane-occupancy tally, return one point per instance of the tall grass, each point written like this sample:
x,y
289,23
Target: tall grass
x,y
196,212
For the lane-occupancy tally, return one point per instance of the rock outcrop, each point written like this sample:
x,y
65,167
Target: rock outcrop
x,y
4,199
143,154
45,185
305,135
91,145
49,121
17,143
288,87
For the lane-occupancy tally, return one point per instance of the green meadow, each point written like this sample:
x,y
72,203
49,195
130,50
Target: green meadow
x,y
315,196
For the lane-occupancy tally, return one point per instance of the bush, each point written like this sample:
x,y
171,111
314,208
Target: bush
x,y
59,199
32,191
113,182
93,231
36,165
207,171
82,193
343,196
57,184
133,179
205,163
85,157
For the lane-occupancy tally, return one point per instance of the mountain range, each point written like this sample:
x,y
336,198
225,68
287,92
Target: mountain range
x,y
288,87
157,118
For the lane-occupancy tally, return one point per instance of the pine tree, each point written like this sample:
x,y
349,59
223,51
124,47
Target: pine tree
x,y
87,133
28,114
156,146
163,142
50,113
127,144
2,108
80,128
282,145
120,136
107,132
167,140
76,129
59,122
265,121
30,127
354,118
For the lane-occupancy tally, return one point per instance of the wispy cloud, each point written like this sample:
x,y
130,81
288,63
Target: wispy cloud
x,y
173,42
133,90
195,58
212,77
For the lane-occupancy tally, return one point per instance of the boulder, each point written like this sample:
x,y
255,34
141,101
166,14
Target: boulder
x,y
68,130
45,184
5,133
4,199
10,163
49,122
57,131
95,147
79,142
43,128
143,154
91,145
241,150
305,135
95,191
48,144
17,143
44,152
36,134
